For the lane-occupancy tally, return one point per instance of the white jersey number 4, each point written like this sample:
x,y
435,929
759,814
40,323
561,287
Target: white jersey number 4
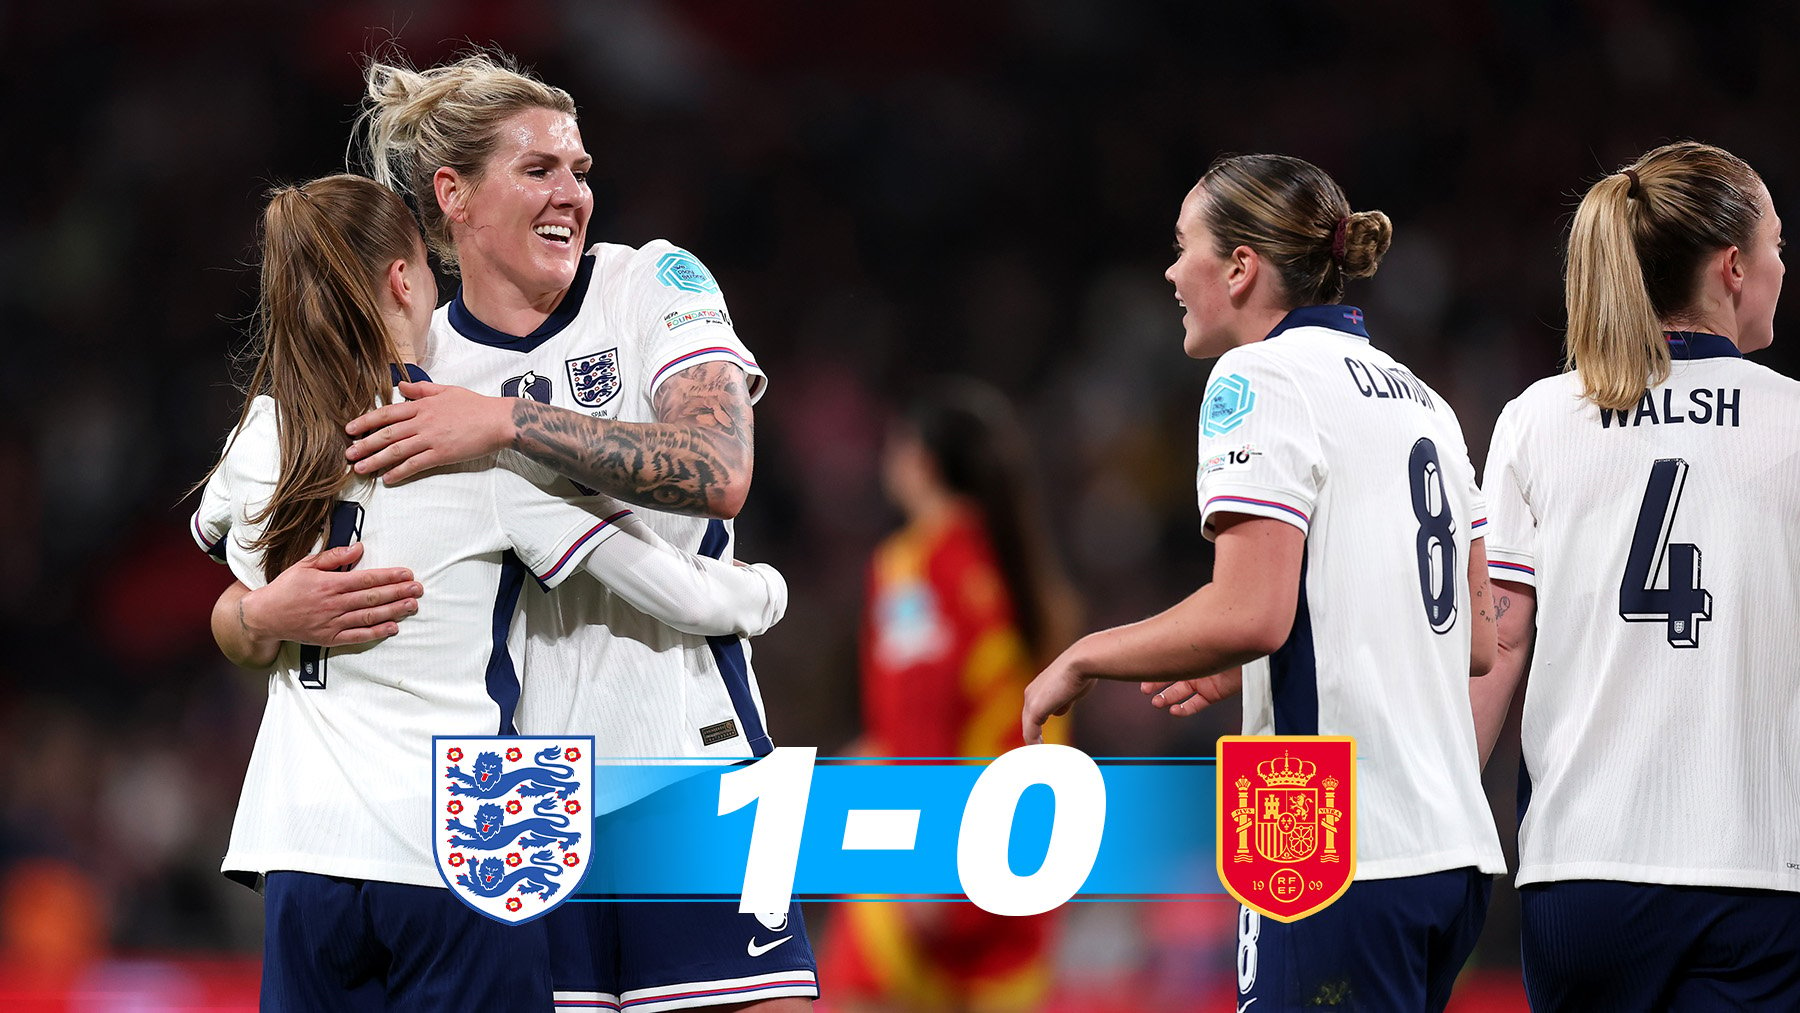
x,y
1683,604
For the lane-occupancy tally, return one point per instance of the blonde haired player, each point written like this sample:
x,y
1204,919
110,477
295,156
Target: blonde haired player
x,y
1348,581
620,369
330,825
1659,844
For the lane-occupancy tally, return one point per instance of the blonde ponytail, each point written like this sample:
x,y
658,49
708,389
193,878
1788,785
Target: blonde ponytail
x,y
1636,247
1615,339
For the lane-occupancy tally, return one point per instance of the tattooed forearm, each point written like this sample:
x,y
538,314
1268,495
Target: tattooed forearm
x,y
1501,604
695,460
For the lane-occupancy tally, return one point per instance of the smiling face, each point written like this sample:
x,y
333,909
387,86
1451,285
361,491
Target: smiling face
x,y
1200,276
523,222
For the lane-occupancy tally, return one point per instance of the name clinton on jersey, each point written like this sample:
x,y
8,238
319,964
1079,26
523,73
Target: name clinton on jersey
x,y
1704,406
1387,382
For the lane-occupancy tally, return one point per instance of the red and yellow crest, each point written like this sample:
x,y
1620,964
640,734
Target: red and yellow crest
x,y
1287,835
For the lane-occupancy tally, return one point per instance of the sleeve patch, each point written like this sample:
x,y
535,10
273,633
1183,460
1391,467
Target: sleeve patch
x,y
1229,401
682,270
682,318
1231,460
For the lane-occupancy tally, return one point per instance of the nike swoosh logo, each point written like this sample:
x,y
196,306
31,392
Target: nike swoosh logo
x,y
1245,1006
756,951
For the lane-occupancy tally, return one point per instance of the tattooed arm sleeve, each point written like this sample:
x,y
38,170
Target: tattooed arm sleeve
x,y
696,459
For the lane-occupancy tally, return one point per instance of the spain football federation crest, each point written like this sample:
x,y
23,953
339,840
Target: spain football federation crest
x,y
1287,832
513,820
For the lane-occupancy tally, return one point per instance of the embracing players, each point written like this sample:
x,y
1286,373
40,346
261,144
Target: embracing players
x,y
620,369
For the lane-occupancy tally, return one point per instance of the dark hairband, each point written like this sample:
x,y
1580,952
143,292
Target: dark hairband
x,y
1340,236
1634,190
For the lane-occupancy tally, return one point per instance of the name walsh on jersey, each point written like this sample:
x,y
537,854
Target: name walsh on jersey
x,y
1715,406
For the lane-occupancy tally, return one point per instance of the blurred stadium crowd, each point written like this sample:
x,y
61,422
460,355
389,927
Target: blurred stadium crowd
x,y
886,192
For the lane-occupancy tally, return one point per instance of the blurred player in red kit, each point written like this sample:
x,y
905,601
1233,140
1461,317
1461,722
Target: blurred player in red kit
x,y
963,603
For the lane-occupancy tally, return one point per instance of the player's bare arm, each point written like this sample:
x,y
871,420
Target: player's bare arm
x,y
1491,697
695,459
312,603
1482,627
1246,612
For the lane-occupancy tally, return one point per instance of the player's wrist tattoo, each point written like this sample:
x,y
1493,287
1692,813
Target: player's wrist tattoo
x,y
688,462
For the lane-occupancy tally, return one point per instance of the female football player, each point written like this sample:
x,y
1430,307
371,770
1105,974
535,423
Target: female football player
x,y
618,368
1659,846
335,820
964,603
1349,583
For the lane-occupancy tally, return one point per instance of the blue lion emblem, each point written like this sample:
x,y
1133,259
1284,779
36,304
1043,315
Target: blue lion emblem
x,y
1229,401
594,379
489,878
488,782
681,269
491,831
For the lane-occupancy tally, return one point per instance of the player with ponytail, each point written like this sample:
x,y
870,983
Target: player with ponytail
x,y
1659,847
335,824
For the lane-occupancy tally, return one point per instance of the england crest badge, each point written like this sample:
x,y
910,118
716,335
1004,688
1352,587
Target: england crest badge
x,y
513,820
1287,827
594,379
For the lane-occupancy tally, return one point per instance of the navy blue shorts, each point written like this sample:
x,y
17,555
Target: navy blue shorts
x,y
356,945
1386,945
1598,945
650,956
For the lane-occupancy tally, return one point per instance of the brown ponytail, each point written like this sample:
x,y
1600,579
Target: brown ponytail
x,y
1635,250
325,350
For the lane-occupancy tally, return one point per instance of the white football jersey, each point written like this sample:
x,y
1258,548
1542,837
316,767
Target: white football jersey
x,y
595,665
339,782
1662,711
1316,427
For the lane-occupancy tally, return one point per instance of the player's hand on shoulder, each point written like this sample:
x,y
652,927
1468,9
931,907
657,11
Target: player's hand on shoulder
x,y
312,602
438,425
1191,696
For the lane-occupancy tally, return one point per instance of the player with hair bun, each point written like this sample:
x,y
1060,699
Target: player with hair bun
x,y
1659,836
1349,584
618,368
330,826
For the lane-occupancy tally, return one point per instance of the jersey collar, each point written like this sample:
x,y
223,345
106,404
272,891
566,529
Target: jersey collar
x,y
412,374
466,325
1347,319
1700,345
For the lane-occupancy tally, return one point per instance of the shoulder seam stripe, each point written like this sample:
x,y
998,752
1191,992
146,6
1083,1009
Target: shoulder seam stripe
x,y
657,377
1260,502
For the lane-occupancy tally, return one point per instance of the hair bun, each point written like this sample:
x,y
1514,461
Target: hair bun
x,y
1367,235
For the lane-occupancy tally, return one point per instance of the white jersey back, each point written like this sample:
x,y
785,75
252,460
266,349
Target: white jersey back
x,y
339,782
595,665
1315,427
1662,711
